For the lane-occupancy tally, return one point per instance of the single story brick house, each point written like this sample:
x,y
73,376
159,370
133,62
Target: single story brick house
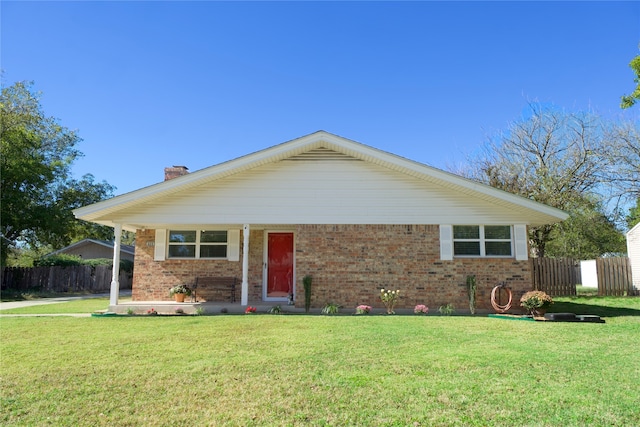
x,y
354,218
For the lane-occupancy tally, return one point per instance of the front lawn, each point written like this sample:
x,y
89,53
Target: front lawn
x,y
299,370
600,306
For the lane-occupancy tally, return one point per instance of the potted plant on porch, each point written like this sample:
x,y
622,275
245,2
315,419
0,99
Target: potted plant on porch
x,y
179,292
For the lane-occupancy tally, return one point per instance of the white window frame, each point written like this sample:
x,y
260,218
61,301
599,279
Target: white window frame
x,y
482,240
197,244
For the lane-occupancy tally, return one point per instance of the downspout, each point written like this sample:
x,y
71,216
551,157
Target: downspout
x,y
115,272
244,299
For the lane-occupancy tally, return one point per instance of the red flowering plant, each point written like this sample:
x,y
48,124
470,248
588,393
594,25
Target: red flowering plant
x,y
421,309
363,309
250,310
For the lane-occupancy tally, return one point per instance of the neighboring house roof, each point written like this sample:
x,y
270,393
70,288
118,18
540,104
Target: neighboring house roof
x,y
320,178
128,249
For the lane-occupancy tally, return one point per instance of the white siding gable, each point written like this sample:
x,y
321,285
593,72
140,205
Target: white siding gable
x,y
320,190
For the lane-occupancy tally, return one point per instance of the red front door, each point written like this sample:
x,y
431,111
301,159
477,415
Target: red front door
x,y
279,265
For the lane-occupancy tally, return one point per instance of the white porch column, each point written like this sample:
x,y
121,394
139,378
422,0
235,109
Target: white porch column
x,y
115,272
244,298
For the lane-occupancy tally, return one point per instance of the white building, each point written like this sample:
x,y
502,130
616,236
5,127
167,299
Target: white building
x,y
633,249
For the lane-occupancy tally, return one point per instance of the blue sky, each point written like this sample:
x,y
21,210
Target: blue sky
x,y
155,84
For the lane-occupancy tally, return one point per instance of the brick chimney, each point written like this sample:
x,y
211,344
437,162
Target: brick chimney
x,y
174,172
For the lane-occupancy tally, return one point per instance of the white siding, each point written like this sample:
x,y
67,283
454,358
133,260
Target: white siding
x,y
633,250
589,273
321,192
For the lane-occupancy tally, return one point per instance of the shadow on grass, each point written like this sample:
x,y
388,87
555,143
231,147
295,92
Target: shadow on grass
x,y
582,307
12,295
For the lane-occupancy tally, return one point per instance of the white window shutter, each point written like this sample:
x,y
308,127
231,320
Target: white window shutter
x,y
160,245
521,242
233,245
446,242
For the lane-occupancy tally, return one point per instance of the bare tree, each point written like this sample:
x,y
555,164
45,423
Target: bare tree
x,y
623,154
553,157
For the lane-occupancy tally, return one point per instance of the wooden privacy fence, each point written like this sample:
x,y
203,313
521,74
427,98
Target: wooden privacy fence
x,y
555,276
559,276
77,278
614,277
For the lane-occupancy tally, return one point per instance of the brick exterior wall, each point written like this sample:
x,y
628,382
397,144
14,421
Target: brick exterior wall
x,y
357,261
153,279
349,265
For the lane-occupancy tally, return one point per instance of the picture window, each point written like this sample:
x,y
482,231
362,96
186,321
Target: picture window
x,y
203,244
482,241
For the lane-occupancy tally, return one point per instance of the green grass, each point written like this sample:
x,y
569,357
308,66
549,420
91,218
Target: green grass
x,y
320,370
600,306
587,291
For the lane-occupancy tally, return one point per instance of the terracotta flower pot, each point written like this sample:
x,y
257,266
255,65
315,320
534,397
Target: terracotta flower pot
x,y
539,312
179,297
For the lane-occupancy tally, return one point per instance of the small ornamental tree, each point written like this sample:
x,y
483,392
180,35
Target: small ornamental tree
x,y
389,299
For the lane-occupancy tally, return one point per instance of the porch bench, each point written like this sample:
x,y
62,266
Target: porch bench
x,y
224,284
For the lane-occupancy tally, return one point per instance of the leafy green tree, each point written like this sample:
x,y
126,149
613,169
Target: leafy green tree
x,y
588,233
634,215
37,189
630,100
25,256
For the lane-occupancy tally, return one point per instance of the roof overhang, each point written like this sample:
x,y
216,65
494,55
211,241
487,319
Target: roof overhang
x,y
104,212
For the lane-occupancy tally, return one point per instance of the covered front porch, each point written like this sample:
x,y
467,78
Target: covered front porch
x,y
257,268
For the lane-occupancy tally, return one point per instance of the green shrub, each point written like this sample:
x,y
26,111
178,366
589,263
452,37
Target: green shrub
x,y
126,265
61,260
276,309
65,260
471,290
306,281
330,308
447,310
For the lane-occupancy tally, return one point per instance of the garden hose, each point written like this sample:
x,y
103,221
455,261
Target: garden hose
x,y
495,292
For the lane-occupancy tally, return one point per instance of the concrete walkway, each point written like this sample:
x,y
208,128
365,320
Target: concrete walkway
x,y
45,301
